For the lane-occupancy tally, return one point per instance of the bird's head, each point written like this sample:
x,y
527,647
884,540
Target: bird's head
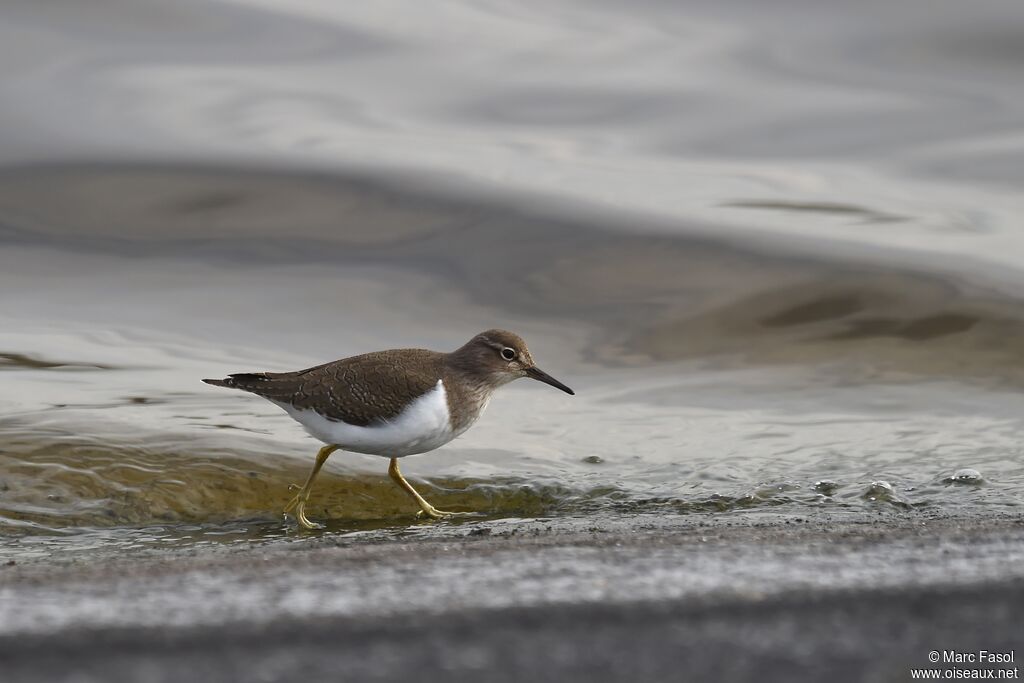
x,y
500,356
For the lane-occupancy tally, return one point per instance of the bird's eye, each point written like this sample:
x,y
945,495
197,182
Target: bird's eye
x,y
508,353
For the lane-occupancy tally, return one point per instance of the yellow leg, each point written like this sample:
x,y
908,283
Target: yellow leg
x,y
425,507
298,503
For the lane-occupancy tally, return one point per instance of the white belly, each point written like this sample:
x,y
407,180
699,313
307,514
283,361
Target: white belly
x,y
423,426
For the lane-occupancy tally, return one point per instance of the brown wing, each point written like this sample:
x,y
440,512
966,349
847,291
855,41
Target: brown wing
x,y
359,390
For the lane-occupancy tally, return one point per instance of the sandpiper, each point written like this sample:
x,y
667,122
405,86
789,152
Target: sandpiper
x,y
393,403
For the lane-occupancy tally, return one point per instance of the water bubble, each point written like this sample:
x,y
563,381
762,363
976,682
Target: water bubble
x,y
826,487
879,490
593,459
967,475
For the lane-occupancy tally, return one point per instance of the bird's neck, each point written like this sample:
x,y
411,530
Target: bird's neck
x,y
468,394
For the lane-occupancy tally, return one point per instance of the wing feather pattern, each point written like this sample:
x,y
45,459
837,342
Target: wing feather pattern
x,y
361,390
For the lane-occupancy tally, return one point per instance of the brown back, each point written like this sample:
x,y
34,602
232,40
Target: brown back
x,y
360,390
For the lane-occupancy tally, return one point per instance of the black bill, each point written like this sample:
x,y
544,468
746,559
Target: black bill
x,y
541,376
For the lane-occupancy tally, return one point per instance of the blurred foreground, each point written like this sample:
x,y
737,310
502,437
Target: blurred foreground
x,y
755,598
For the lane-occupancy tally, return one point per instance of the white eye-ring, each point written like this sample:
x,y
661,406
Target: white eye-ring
x,y
508,353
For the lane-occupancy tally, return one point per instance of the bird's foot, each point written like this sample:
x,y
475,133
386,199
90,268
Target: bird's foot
x,y
297,506
433,513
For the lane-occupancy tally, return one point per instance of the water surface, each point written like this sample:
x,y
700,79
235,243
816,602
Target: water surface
x,y
776,251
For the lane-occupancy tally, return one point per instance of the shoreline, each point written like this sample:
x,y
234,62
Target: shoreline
x,y
759,596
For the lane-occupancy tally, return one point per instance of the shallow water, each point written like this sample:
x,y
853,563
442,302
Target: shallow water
x,y
776,251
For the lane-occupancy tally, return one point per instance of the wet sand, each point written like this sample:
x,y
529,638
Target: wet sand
x,y
734,597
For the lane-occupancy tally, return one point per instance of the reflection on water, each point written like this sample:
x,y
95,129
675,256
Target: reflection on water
x,y
867,215
20,360
777,249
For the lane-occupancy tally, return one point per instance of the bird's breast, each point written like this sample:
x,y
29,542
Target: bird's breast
x,y
465,406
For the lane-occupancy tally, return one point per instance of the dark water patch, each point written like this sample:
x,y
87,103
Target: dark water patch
x,y
828,308
920,329
211,202
889,324
143,400
138,209
224,425
128,401
866,215
19,361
